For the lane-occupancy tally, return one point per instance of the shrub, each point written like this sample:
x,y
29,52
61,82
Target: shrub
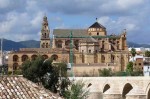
x,y
120,73
17,72
105,72
77,90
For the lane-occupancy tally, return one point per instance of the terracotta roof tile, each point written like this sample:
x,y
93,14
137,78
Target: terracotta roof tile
x,y
60,33
17,87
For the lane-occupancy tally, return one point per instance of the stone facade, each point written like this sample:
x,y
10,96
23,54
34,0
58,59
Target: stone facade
x,y
89,49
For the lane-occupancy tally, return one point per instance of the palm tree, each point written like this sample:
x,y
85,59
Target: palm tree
x,y
77,90
133,53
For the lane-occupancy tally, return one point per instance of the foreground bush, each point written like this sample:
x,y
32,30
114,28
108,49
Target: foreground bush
x,y
105,72
44,72
77,90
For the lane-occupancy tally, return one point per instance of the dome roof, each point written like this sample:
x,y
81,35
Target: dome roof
x,y
97,25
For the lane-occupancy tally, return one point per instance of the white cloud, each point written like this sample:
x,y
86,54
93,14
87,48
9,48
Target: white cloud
x,y
4,3
21,19
118,25
127,4
130,27
37,20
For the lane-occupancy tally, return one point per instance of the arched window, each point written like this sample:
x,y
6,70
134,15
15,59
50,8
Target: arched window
x,y
97,33
54,57
103,42
15,58
46,45
24,58
45,35
103,59
33,57
76,43
112,58
59,44
89,51
45,56
67,43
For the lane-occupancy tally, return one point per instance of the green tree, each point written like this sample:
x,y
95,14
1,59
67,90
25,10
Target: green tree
x,y
77,90
133,53
57,78
45,72
137,73
147,54
34,70
120,73
129,68
105,72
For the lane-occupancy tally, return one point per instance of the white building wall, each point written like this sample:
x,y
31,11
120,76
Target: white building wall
x,y
1,61
146,70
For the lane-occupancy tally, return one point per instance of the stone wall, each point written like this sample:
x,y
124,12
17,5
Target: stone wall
x,y
118,87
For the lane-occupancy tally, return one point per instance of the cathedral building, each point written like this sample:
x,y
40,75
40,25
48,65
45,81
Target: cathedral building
x,y
88,49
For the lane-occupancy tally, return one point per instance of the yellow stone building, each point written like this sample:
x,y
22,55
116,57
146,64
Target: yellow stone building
x,y
91,48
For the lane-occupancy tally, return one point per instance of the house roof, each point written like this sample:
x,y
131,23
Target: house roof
x,y
136,57
65,33
17,87
97,25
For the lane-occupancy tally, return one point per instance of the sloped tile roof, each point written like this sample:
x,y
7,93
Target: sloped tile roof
x,y
89,40
17,87
64,33
76,33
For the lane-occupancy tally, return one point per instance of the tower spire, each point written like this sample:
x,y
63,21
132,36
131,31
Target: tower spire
x,y
45,32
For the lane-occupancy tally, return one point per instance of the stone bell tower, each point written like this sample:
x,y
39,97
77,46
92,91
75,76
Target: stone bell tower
x,y
45,32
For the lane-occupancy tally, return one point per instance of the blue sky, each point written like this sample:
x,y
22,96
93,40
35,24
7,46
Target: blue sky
x,y
21,19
